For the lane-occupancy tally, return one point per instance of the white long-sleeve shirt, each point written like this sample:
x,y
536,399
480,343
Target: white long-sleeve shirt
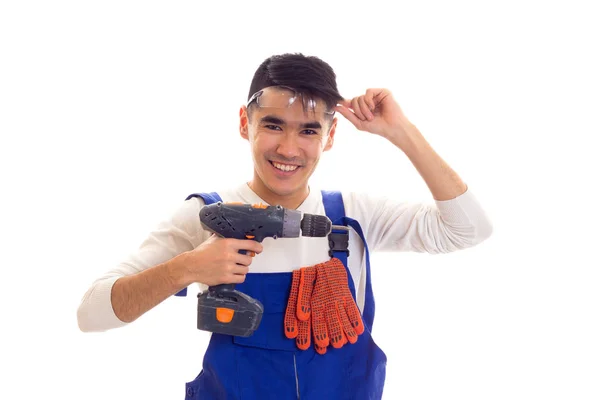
x,y
388,225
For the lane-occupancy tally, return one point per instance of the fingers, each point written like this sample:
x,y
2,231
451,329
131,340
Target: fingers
x,y
295,328
319,328
351,111
237,279
321,297
245,244
357,110
354,317
237,274
242,259
305,290
369,100
320,350
379,95
349,115
347,307
319,324
349,331
303,338
290,320
362,108
365,108
345,103
334,327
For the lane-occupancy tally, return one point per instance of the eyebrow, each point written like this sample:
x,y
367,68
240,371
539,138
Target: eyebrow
x,y
278,121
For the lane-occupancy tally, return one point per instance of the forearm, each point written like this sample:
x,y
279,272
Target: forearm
x,y
443,182
456,221
134,295
125,293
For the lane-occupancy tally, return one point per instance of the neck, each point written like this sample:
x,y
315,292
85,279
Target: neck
x,y
290,201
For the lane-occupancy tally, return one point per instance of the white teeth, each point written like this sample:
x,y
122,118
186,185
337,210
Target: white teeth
x,y
284,167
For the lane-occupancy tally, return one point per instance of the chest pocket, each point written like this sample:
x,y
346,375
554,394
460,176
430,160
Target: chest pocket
x,y
272,290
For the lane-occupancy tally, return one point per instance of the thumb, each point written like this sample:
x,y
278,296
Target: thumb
x,y
347,113
345,103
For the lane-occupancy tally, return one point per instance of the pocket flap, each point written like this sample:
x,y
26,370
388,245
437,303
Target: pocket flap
x,y
269,335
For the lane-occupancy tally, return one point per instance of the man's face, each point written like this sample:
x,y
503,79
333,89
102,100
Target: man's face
x,y
286,142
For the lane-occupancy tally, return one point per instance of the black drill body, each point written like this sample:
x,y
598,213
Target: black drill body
x,y
222,309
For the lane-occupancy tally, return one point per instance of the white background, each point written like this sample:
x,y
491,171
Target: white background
x,y
112,112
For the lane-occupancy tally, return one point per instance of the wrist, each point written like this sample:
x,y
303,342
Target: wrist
x,y
180,271
407,138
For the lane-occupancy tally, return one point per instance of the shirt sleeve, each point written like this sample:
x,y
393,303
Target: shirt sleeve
x,y
177,234
436,227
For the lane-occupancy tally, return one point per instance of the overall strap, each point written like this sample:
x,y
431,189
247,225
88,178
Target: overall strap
x,y
209,198
338,244
338,238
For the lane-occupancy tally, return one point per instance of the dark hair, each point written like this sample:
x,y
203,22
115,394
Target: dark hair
x,y
308,75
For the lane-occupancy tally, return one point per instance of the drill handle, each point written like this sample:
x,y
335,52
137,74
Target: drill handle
x,y
222,290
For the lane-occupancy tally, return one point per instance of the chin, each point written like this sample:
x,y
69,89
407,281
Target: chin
x,y
283,190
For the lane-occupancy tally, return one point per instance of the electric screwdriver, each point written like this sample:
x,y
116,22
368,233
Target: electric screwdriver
x,y
222,309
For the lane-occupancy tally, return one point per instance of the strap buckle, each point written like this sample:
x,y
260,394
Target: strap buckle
x,y
338,241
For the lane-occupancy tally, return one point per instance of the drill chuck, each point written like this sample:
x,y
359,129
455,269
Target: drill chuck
x,y
295,224
313,225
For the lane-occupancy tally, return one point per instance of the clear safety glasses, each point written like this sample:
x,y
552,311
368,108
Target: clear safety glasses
x,y
285,97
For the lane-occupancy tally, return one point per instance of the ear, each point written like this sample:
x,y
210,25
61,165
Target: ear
x,y
331,134
244,122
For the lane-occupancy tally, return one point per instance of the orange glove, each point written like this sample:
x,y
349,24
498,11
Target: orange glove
x,y
320,300
336,319
297,314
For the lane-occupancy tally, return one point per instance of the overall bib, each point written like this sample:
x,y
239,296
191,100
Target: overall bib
x,y
267,365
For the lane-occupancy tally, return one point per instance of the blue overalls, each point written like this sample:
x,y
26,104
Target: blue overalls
x,y
267,365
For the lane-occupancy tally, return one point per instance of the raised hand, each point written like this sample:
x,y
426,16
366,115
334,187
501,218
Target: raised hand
x,y
376,112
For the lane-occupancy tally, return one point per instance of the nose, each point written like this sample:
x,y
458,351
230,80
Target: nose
x,y
288,145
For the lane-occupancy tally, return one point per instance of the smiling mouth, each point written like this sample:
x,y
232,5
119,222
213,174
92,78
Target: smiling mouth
x,y
284,167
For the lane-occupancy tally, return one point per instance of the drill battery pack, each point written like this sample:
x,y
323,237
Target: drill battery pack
x,y
228,312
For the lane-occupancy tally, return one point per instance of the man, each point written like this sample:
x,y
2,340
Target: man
x,y
289,121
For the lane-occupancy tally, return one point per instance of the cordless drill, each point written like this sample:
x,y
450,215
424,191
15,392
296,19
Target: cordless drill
x,y
222,309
